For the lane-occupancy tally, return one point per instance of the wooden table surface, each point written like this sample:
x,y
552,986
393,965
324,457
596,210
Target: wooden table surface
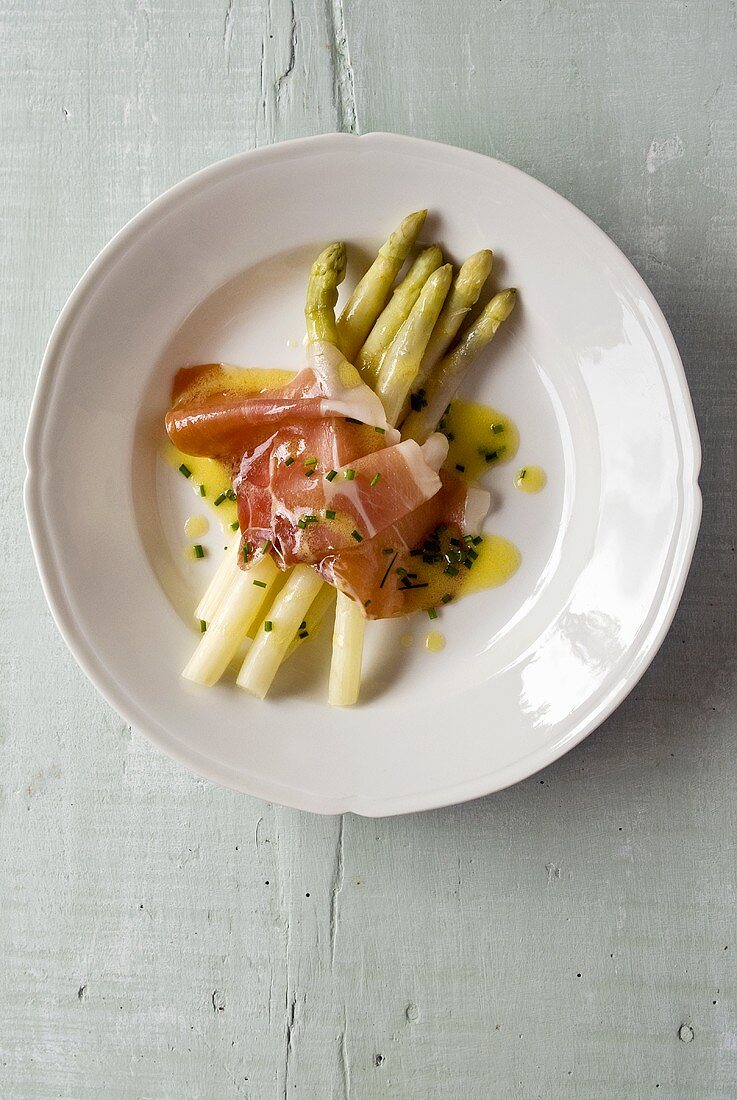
x,y
572,937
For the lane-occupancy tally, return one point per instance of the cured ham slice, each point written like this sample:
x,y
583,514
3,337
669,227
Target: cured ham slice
x,y
326,487
226,423
393,574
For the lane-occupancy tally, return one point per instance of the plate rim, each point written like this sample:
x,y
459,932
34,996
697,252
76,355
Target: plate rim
x,y
124,702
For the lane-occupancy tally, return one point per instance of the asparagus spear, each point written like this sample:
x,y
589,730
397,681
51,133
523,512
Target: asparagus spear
x,y
402,360
395,314
292,604
230,623
463,295
327,272
369,298
451,370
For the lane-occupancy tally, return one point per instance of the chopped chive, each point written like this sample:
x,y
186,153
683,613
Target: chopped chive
x,y
288,461
522,474
203,626
303,624
310,473
185,470
349,474
388,570
331,475
198,551
432,613
472,554
303,634
468,539
231,495
310,462
477,540
202,491
401,571
352,420
375,479
497,429
310,519
260,584
358,537
381,431
455,542
247,548
460,469
446,598
268,625
219,499
366,603
449,436
234,525
451,571
301,524
388,550
265,546
329,513
407,586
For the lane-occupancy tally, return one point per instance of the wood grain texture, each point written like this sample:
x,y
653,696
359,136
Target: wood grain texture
x,y
575,936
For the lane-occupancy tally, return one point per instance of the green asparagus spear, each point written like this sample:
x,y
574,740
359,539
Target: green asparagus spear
x,y
369,298
448,375
396,313
463,295
401,363
328,271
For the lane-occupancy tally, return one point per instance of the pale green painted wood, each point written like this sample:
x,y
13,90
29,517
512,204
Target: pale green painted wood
x,y
157,936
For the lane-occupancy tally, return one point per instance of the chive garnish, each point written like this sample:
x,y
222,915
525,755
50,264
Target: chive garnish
x,y
460,469
288,461
247,548
352,420
491,455
366,603
388,570
375,479
303,634
219,499
381,431
268,625
407,587
331,475
349,474
185,470
522,473
477,540
472,554
198,551
355,534
388,550
451,571
449,436
310,462
234,525
329,513
301,524
497,429
265,546
432,613
260,584
202,491
310,473
230,494
446,598
203,626
303,624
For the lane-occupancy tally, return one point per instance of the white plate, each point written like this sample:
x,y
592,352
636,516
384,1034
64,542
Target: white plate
x,y
215,269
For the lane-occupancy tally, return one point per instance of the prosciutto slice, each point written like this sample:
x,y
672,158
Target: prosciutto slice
x,y
227,423
327,487
370,573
